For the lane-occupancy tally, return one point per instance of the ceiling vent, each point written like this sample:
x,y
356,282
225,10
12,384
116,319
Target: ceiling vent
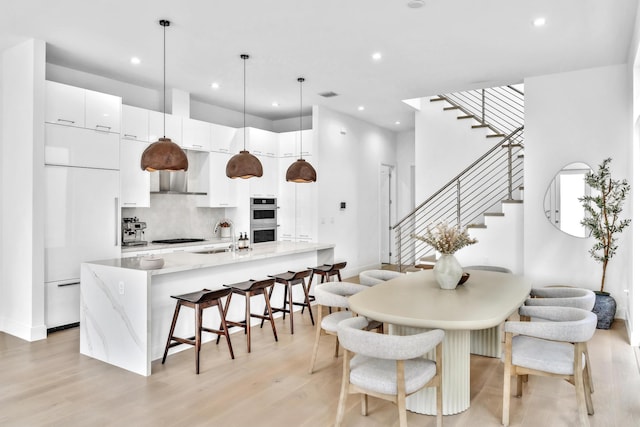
x,y
328,94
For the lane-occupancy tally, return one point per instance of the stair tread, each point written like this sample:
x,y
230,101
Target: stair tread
x,y
496,135
480,126
469,116
512,201
453,107
438,99
476,226
493,214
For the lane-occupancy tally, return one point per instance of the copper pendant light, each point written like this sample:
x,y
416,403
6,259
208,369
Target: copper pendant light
x,y
300,171
244,164
164,154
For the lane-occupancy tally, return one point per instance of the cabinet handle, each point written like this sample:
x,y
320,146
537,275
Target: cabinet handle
x,y
66,121
108,128
126,135
117,223
196,145
62,285
224,150
130,203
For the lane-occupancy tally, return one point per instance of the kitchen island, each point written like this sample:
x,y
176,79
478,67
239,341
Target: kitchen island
x,y
126,310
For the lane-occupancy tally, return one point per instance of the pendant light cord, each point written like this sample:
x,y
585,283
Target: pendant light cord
x,y
164,24
244,101
301,79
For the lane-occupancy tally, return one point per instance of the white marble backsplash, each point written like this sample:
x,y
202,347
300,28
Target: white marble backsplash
x,y
176,215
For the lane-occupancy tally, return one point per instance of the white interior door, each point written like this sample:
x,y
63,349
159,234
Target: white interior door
x,y
387,216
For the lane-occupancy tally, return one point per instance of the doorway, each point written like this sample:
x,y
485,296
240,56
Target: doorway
x,y
386,197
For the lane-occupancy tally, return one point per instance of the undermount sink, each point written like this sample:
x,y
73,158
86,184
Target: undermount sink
x,y
212,251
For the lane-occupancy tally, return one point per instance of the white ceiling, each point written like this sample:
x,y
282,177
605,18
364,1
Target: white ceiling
x,y
445,46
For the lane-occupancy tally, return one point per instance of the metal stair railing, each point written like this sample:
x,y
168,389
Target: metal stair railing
x,y
496,176
500,109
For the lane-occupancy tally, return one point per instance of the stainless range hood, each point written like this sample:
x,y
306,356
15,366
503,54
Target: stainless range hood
x,y
175,183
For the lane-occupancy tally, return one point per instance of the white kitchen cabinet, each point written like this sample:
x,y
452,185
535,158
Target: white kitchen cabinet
x,y
221,191
297,208
267,185
135,124
70,146
62,303
82,223
102,111
168,125
306,212
262,142
64,104
286,205
223,138
135,183
196,135
289,144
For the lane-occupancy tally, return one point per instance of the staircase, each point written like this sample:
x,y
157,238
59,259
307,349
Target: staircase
x,y
480,189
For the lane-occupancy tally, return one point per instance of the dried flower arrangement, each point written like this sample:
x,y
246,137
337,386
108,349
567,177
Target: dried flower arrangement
x,y
445,239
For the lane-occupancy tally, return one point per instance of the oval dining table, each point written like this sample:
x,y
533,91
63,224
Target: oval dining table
x,y
414,302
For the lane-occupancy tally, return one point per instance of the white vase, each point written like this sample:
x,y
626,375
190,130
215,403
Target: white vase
x,y
447,271
225,232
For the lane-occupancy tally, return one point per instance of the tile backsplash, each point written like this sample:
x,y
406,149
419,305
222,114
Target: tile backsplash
x,y
176,215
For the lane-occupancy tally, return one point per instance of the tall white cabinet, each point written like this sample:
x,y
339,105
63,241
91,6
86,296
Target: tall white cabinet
x,y
82,210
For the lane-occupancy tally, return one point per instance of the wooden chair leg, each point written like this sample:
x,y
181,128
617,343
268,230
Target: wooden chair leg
x,y
265,309
506,387
519,381
402,393
337,349
343,389
173,326
364,404
314,352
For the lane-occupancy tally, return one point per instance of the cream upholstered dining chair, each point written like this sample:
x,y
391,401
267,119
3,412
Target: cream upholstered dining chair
x,y
373,277
565,296
389,367
555,347
332,295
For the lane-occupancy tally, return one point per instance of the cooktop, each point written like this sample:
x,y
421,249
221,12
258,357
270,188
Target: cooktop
x,y
180,240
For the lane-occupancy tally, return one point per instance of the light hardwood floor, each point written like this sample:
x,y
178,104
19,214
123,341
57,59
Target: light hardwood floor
x,y
49,383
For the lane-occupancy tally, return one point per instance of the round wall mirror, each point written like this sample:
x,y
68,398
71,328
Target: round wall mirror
x,y
561,205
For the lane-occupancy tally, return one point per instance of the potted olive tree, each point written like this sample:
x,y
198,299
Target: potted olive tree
x,y
602,220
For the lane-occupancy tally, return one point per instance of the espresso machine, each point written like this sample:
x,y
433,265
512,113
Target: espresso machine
x,y
133,232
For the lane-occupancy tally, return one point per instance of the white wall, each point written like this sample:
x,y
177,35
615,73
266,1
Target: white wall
x,y
581,116
405,158
22,190
350,152
444,146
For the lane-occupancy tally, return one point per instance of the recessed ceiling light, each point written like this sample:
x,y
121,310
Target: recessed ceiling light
x,y
377,56
414,4
539,22
275,104
215,85
397,122
135,60
360,108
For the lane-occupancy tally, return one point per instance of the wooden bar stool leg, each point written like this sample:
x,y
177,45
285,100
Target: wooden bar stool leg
x,y
288,287
308,288
173,326
247,319
308,302
198,311
226,309
268,308
225,329
269,304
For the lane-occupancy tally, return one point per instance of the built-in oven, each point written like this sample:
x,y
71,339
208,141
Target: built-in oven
x,y
263,222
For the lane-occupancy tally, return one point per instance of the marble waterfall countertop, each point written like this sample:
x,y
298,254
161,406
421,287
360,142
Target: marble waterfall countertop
x,y
189,259
126,310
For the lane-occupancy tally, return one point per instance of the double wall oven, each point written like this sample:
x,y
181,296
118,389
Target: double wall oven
x,y
263,224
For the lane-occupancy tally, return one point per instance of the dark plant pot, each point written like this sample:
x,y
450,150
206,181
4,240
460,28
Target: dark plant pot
x,y
605,309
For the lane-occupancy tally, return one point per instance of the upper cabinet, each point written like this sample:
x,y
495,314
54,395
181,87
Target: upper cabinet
x,y
134,182
258,142
73,106
196,135
102,111
223,138
161,124
289,143
135,124
64,104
